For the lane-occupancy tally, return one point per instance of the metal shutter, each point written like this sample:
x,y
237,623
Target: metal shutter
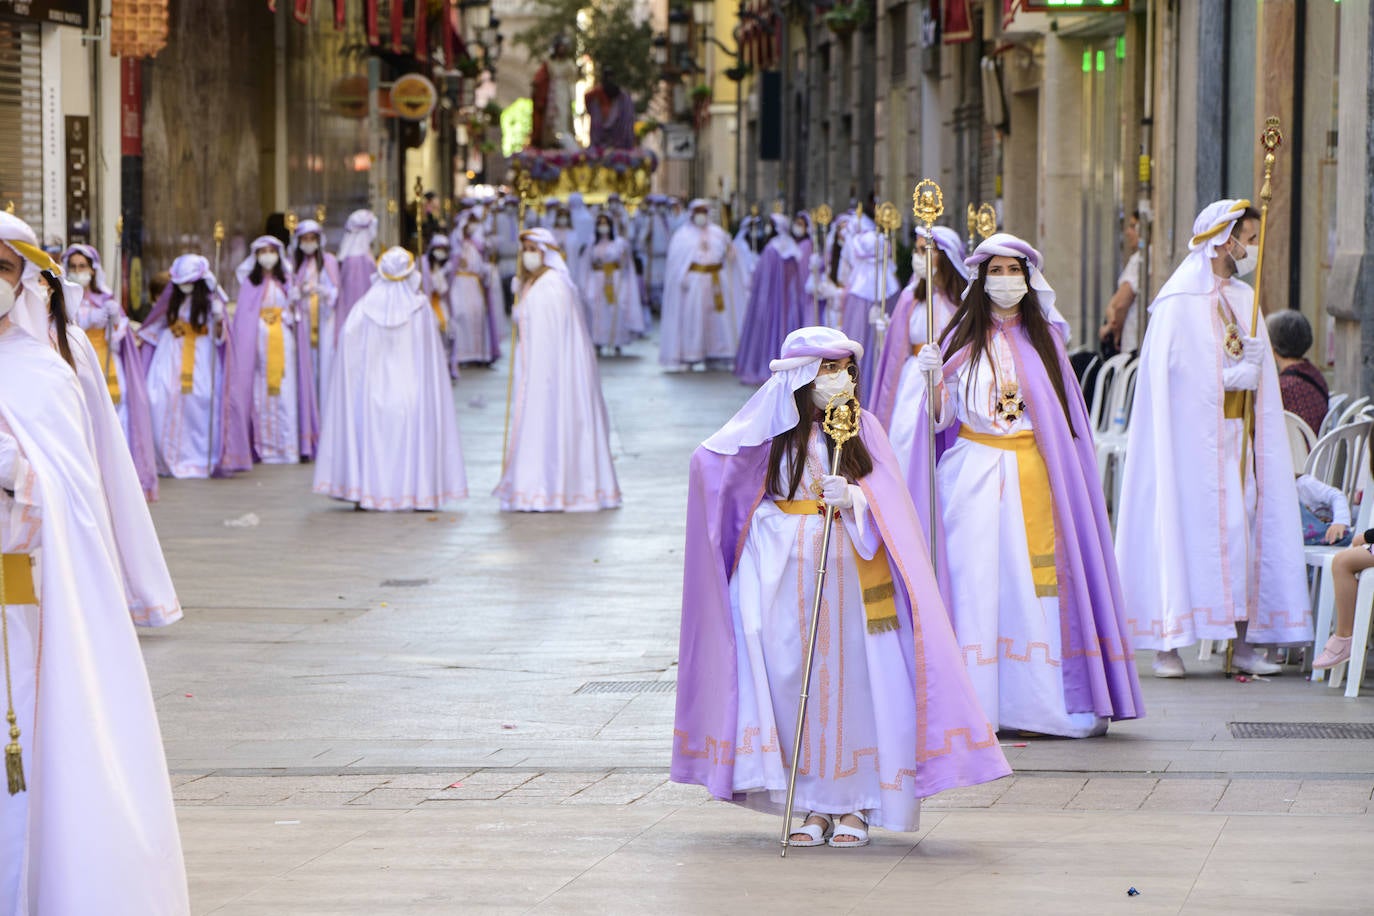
x,y
21,123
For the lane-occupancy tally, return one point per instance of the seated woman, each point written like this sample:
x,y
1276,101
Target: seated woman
x,y
1301,384
892,717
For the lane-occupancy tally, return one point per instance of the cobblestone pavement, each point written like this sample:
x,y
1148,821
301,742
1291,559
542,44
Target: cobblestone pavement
x,y
372,713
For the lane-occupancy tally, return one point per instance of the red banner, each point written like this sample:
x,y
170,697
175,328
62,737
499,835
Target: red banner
x,y
452,43
956,25
130,106
339,7
398,19
302,11
421,31
374,37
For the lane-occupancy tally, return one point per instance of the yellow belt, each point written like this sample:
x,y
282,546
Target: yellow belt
x,y
314,319
917,348
875,575
608,272
18,584
188,335
101,343
276,350
467,273
1233,406
1037,503
438,311
714,271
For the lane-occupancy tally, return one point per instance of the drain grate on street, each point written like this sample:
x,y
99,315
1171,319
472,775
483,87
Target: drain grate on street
x,y
606,688
1338,730
406,583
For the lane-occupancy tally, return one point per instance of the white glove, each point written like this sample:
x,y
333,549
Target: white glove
x,y
876,315
816,264
835,492
829,290
1245,375
217,309
930,359
1254,351
112,311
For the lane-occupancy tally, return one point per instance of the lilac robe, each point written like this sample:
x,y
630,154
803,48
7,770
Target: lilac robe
x,y
955,745
1098,663
355,279
778,305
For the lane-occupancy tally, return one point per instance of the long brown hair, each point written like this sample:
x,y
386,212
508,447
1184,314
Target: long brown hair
x,y
948,280
855,461
57,311
971,327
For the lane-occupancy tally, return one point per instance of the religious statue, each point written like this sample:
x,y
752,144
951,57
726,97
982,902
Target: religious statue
x,y
612,113
553,98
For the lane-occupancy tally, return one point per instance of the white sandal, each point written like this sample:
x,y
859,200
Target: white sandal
x,y
818,833
860,834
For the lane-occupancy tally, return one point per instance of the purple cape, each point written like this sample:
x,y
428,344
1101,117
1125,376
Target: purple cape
x,y
355,279
239,452
1098,663
896,349
955,744
855,325
778,304
135,397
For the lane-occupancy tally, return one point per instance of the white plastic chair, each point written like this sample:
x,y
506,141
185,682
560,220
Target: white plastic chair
x,y
1100,416
1351,411
1339,458
1333,412
1323,593
1111,445
1301,438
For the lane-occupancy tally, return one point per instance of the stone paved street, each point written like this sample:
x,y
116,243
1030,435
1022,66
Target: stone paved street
x,y
372,713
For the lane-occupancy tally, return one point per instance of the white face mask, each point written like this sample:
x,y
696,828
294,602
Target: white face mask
x,y
699,219
1006,292
603,231
186,287
533,260
799,230
828,385
6,298
918,264
1246,265
440,255
267,260
310,247
80,277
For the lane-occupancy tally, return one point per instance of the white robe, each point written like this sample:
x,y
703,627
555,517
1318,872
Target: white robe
x,y
308,275
276,417
389,440
559,455
693,328
1197,551
469,312
95,832
182,423
853,747
618,321
90,318
911,384
1010,637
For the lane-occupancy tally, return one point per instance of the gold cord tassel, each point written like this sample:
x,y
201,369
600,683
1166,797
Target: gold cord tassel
x,y
14,754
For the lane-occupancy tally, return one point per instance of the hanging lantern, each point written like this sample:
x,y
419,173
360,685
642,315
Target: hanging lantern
x,y
138,28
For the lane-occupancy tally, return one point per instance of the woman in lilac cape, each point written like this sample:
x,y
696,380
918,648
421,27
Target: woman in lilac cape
x,y
357,264
1035,595
260,418
778,301
100,315
911,722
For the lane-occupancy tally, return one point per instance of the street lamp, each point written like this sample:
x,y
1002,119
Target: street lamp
x,y
701,11
476,14
678,19
660,52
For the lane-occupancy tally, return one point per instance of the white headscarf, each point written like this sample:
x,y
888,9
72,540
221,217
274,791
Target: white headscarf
x,y
188,268
306,227
31,296
948,241
260,243
1005,244
548,245
1211,230
773,408
360,231
395,293
98,281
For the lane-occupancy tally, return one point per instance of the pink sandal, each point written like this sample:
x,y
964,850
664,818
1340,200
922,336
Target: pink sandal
x,y
1336,650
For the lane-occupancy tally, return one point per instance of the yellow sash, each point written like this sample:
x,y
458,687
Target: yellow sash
x,y
314,319
1233,407
102,352
875,575
188,335
438,311
714,271
608,272
1037,504
917,348
18,571
276,350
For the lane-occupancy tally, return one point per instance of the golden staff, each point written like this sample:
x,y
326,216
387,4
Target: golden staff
x,y
887,219
927,203
419,219
822,217
972,226
985,221
214,352
841,425
118,294
1271,139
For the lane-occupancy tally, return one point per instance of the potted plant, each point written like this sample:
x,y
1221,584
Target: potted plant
x,y
846,17
739,72
701,95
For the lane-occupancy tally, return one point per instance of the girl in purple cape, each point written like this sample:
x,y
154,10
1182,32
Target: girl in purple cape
x,y
187,400
315,285
102,318
271,393
1033,582
778,301
892,717
357,264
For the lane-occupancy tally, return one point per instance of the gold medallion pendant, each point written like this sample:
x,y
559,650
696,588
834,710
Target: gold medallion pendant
x,y
1234,346
1010,405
